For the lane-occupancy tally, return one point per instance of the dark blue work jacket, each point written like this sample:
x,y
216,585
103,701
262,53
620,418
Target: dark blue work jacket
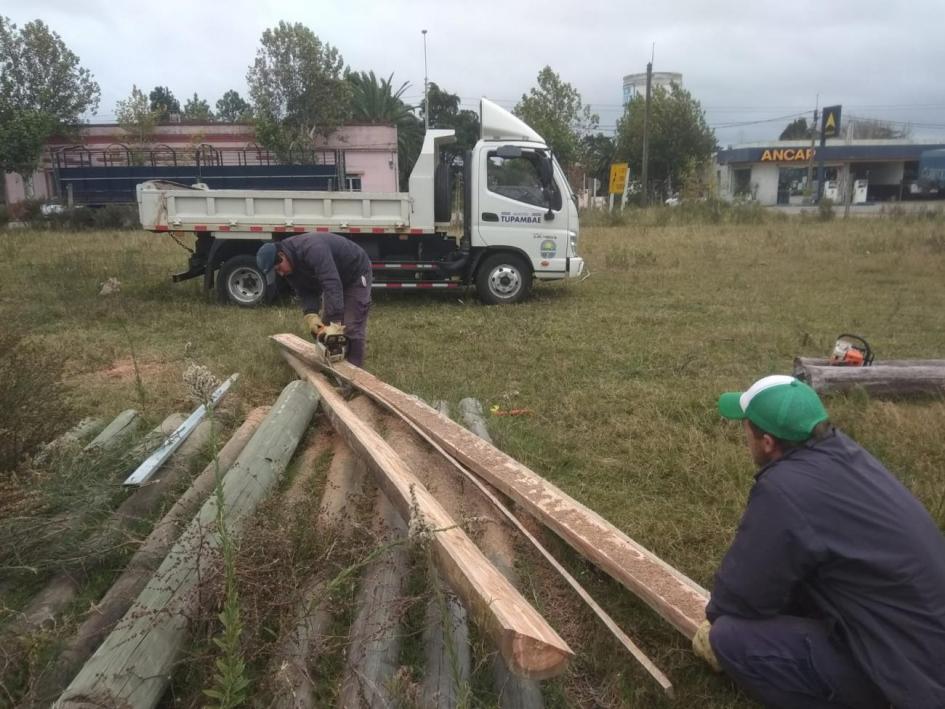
x,y
828,532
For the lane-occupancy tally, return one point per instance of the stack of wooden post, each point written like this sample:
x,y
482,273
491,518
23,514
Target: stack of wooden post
x,y
143,625
474,579
892,377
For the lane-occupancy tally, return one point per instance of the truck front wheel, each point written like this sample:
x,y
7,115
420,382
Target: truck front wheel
x,y
503,278
240,282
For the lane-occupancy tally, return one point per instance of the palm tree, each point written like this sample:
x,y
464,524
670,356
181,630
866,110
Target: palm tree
x,y
376,101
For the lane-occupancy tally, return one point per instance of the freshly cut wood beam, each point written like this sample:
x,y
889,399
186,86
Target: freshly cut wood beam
x,y
672,594
119,597
133,665
878,379
530,646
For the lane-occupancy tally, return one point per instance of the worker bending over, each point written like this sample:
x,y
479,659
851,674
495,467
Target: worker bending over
x,y
327,268
833,591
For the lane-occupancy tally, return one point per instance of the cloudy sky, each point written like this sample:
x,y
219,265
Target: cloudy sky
x,y
754,66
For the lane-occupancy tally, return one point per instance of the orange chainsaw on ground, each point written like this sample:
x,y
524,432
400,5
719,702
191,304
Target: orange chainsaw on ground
x,y
851,351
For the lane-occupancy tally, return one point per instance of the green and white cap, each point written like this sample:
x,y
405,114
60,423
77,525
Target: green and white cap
x,y
780,405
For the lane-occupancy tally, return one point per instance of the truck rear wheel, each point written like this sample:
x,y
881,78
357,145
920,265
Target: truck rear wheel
x,y
503,278
240,282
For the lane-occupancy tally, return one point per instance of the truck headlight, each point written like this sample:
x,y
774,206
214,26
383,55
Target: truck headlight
x,y
572,242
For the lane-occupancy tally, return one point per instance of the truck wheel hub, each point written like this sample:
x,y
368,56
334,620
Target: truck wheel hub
x,y
245,285
505,281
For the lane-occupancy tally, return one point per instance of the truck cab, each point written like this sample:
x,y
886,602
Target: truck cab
x,y
518,222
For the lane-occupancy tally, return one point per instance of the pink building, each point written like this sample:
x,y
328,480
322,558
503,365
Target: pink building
x,y
369,152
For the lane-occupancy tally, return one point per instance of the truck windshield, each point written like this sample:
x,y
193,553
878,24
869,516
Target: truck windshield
x,y
518,178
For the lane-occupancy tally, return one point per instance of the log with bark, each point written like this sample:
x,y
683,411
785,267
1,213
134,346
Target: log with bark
x,y
530,646
123,591
907,378
375,637
134,663
672,594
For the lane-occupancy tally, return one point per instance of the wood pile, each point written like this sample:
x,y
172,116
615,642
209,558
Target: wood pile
x,y
434,492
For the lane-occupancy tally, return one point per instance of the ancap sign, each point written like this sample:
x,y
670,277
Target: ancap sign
x,y
830,127
788,155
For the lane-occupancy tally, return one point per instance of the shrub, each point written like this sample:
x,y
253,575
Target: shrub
x,y
32,401
825,210
4,215
28,210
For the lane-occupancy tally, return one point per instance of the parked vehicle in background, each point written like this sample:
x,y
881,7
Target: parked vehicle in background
x,y
520,220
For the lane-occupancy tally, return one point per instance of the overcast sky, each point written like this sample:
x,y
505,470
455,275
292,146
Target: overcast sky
x,y
746,62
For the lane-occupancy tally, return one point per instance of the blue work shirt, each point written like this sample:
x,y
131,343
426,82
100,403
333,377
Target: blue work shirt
x,y
829,532
323,265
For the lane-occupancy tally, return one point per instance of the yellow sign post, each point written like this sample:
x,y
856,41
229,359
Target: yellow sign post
x,y
618,177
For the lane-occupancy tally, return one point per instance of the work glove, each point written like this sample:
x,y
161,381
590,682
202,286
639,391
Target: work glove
x,y
703,648
313,322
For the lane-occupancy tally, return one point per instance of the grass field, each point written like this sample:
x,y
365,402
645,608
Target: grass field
x,y
621,372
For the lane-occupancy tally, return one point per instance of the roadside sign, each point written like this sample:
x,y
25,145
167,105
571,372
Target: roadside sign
x,y
831,121
618,177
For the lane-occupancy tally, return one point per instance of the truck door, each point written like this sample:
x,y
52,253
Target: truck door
x,y
516,210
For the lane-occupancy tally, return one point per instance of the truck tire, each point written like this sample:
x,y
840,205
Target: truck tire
x,y
241,283
503,278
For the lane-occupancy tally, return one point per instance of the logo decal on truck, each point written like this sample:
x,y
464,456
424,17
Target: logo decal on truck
x,y
520,218
548,248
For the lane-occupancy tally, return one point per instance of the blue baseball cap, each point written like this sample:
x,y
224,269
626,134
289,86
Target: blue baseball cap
x,y
266,261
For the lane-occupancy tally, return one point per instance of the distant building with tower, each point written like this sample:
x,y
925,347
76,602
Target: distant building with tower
x,y
634,84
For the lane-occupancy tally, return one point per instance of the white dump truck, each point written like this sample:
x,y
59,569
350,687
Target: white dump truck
x,y
519,220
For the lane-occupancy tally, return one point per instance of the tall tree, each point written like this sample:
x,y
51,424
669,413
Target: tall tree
x,y
796,130
233,109
163,103
679,135
597,154
43,90
298,88
554,109
136,118
875,129
376,100
197,109
446,113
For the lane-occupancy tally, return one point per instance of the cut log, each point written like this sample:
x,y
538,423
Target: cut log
x,y
75,436
133,664
374,639
877,379
119,597
672,594
448,661
120,428
801,362
448,664
61,590
513,692
531,647
293,686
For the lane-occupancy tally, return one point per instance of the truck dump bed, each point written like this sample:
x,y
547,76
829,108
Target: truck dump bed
x,y
170,207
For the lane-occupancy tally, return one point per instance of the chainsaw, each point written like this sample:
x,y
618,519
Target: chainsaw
x,y
332,343
851,351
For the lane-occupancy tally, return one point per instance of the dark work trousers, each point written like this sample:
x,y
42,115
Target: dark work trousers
x,y
357,305
789,661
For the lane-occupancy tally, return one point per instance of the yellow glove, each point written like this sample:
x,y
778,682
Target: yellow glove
x,y
703,648
313,322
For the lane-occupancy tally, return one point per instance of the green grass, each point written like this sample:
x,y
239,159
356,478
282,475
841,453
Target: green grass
x,y
621,372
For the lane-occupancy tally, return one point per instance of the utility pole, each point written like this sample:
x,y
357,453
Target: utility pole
x,y
810,161
646,131
426,98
